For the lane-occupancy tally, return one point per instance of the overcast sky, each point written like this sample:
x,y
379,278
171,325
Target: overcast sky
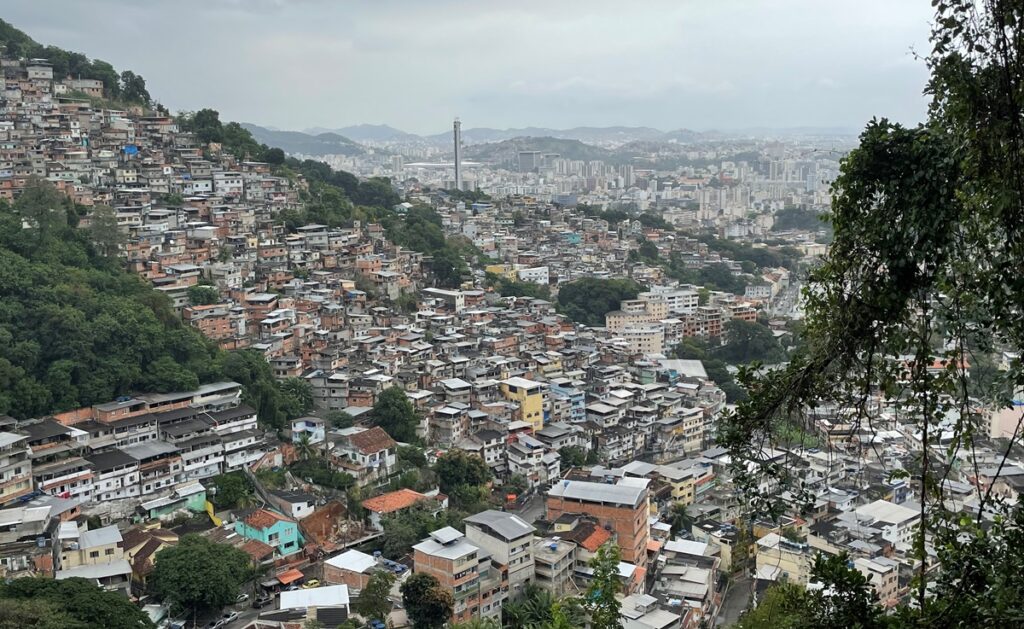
x,y
414,64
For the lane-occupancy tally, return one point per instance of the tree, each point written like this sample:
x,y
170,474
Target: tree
x,y
923,273
305,448
748,341
133,88
296,397
428,605
373,601
43,208
393,412
274,156
106,235
599,600
36,614
680,519
648,250
458,468
74,603
783,606
202,295
588,300
339,419
198,575
449,268
229,489
572,456
411,456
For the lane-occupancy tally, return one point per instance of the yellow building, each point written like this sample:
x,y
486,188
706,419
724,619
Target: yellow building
x,y
780,559
502,270
530,396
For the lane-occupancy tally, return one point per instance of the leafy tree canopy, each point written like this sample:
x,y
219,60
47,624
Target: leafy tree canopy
x,y
76,603
199,575
588,300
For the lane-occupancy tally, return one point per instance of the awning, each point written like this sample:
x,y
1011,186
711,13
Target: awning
x,y
289,576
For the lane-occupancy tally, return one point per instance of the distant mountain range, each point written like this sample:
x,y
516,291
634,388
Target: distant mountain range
x,y
601,136
501,145
297,142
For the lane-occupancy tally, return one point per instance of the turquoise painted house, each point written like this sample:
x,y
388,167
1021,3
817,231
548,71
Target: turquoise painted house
x,y
273,529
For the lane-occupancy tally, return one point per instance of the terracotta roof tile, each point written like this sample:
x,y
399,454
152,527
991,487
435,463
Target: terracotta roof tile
x,y
257,549
372,440
264,519
596,539
393,501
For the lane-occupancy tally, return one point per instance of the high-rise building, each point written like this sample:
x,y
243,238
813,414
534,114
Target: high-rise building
x,y
457,137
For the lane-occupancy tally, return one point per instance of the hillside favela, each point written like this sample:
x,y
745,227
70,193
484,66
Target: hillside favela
x,y
665,315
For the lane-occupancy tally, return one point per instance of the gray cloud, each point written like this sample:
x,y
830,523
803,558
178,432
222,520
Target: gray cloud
x,y
413,64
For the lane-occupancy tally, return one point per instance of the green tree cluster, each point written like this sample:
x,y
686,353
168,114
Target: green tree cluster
x,y
76,329
427,603
393,412
599,601
537,608
203,295
411,526
231,490
513,288
41,603
320,472
373,602
588,300
924,264
464,477
198,575
799,218
749,341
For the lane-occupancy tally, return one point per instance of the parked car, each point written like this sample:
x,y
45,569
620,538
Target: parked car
x,y
312,583
228,617
262,601
241,598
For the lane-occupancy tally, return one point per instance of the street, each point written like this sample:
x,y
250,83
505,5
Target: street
x,y
736,600
532,509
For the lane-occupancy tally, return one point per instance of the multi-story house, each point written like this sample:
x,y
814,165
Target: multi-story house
x,y
509,540
624,507
201,449
554,560
369,454
273,529
96,555
160,466
15,467
65,478
531,398
477,583
116,475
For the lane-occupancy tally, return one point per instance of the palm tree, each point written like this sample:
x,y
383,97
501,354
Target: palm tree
x,y
305,448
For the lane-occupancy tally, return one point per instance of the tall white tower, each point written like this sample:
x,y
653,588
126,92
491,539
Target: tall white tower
x,y
457,137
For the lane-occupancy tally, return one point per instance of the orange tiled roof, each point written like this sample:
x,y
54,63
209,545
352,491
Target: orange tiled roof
x,y
653,545
264,519
393,501
596,539
257,549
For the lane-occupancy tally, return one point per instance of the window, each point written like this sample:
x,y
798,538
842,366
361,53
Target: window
x,y
94,554
109,551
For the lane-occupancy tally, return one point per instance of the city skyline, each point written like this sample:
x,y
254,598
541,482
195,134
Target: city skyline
x,y
673,65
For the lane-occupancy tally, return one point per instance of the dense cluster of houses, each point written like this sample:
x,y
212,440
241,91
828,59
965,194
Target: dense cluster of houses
x,y
507,378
